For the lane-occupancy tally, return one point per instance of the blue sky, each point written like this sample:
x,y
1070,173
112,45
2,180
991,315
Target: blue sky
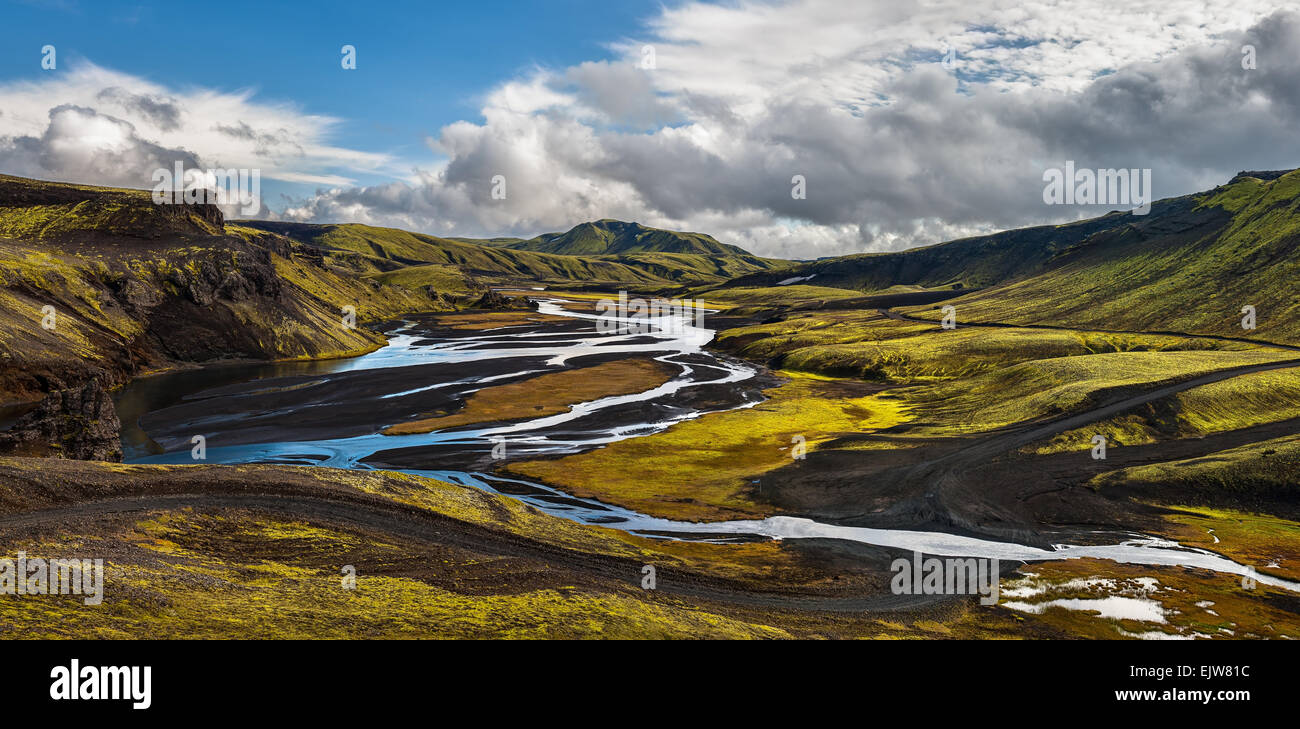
x,y
421,65
897,148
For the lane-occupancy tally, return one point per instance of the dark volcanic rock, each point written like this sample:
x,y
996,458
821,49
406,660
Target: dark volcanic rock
x,y
75,423
496,300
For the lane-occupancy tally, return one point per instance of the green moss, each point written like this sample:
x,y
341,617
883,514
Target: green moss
x,y
704,469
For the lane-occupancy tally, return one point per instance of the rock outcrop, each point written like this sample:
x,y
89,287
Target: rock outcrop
x,y
78,423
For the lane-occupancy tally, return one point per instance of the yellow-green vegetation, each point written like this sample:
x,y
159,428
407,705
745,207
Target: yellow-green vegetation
x,y
1194,280
480,320
30,278
753,297
1268,543
443,278
1152,602
202,575
72,209
85,273
205,572
615,236
547,394
215,576
869,345
1047,387
1269,467
495,264
66,482
1240,402
703,469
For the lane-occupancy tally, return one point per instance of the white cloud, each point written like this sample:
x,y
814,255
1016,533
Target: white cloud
x,y
897,150
91,124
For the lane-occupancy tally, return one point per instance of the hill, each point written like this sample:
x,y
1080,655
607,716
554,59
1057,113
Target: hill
x,y
612,237
98,285
382,251
1190,265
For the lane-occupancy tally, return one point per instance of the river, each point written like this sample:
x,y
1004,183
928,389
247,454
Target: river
x,y
239,408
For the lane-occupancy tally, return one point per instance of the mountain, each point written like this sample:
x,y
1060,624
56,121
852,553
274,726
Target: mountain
x,y
389,252
613,237
1191,264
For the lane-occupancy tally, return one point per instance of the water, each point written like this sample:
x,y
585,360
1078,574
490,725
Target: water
x,y
673,340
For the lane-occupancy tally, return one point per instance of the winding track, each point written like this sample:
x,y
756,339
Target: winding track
x,y
373,514
943,473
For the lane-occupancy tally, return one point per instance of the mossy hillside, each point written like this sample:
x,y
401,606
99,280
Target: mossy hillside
x,y
57,212
498,265
774,296
970,262
441,277
1236,248
705,469
1052,387
197,576
1265,473
692,268
216,573
869,345
31,278
203,575
62,483
136,285
1252,399
615,236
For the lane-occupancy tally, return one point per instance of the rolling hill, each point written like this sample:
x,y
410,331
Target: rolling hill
x,y
1190,265
612,237
664,259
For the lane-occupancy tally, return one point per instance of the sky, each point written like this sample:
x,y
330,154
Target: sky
x,y
901,124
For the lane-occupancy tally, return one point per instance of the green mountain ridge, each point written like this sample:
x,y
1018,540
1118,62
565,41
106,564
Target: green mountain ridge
x,y
383,252
1189,265
611,237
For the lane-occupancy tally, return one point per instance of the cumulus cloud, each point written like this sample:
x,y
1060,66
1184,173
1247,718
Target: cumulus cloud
x,y
897,148
82,144
95,125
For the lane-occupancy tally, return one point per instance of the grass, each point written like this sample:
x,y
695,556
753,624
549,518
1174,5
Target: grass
x,y
871,346
1195,279
443,278
1050,387
201,573
548,394
704,469
203,576
788,295
1268,469
1241,402
494,263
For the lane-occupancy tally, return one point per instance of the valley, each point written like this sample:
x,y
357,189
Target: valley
x,y
491,462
